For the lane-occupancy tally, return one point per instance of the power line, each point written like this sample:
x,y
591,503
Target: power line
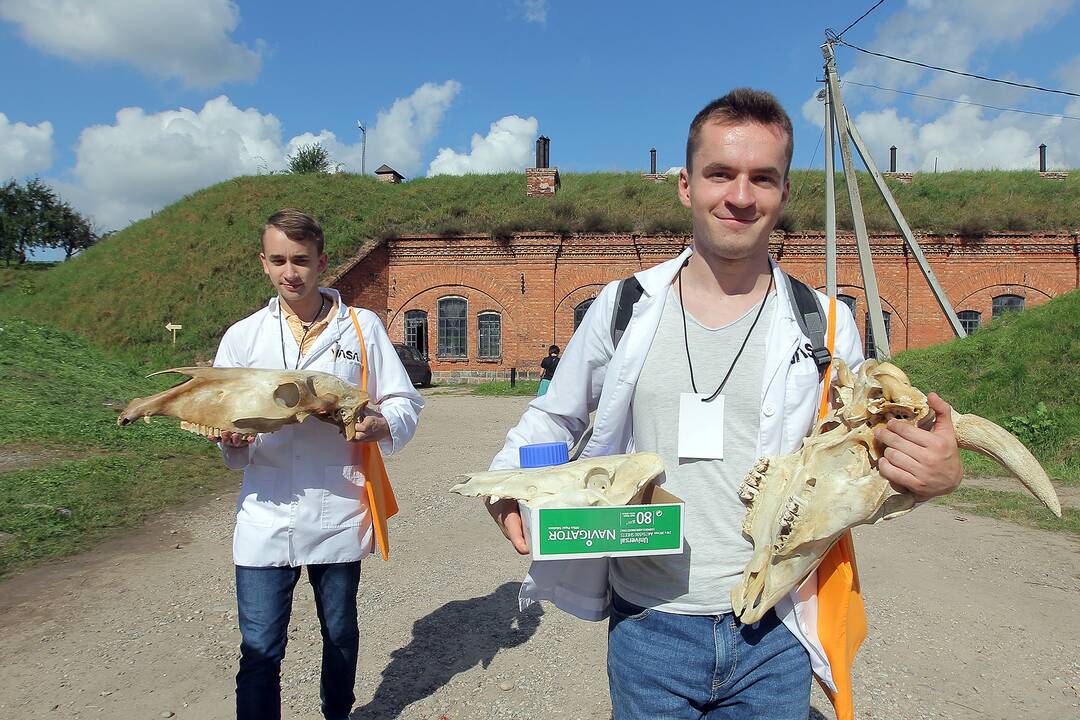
x,y
962,102
859,19
836,38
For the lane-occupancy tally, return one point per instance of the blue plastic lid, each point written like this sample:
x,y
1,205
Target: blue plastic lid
x,y
543,454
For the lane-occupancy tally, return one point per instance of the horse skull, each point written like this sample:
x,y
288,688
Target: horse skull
x,y
798,505
247,400
607,480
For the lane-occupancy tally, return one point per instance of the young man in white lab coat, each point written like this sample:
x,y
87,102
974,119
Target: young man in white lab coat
x,y
717,320
302,501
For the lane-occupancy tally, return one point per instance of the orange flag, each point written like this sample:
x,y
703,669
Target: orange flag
x,y
381,501
841,622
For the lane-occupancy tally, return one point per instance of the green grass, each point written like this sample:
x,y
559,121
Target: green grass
x,y
60,398
502,388
195,263
1018,508
1002,372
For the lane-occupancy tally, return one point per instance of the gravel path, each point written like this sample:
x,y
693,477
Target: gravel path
x,y
970,618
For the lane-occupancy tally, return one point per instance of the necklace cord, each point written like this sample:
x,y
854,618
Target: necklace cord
x,y
306,328
686,338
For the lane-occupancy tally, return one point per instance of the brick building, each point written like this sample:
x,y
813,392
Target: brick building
x,y
479,306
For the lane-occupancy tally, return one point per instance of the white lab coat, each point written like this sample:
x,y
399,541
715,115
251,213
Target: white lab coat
x,y
591,378
302,500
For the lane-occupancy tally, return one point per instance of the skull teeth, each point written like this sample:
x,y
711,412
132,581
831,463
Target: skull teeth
x,y
198,429
748,491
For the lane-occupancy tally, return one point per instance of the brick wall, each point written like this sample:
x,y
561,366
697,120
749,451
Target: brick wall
x,y
535,280
541,181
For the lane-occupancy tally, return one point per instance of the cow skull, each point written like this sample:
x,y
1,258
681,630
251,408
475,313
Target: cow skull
x,y
607,480
798,505
247,400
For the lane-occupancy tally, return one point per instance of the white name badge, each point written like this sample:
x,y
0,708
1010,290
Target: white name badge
x,y
701,427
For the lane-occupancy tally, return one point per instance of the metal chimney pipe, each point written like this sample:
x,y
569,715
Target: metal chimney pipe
x,y
892,159
652,161
1042,158
540,151
547,152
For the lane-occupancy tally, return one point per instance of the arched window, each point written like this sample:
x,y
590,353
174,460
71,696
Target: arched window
x,y
871,349
416,331
1006,303
580,310
453,327
489,335
969,320
849,301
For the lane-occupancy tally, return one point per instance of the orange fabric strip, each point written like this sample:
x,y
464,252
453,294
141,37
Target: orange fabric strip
x,y
841,613
382,504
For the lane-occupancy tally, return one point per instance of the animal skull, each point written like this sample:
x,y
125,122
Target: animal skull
x,y
607,480
799,504
246,400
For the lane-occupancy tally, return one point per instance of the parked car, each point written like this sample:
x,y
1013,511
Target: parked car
x,y
415,364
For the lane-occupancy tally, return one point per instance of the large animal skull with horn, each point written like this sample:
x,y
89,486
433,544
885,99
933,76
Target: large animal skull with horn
x,y
247,400
798,505
607,480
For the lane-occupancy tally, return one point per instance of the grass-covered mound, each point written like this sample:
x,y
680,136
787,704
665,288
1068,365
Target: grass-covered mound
x,y
194,263
68,475
1023,372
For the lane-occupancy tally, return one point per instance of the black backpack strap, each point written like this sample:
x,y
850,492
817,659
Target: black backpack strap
x,y
811,318
630,291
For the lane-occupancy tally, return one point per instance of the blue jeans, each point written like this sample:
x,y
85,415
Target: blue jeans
x,y
264,602
662,665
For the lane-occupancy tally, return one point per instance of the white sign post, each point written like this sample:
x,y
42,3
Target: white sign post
x,y
174,328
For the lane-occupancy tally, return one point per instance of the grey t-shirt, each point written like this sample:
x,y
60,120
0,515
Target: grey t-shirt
x,y
698,581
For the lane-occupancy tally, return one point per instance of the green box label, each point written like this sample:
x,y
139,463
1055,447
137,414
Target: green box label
x,y
641,529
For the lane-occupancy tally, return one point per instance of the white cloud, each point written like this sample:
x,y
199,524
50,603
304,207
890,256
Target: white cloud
x,y
1070,75
959,34
535,11
397,138
24,149
947,33
145,161
187,40
507,147
401,132
968,138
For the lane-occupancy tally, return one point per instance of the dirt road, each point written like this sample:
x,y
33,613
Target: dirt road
x,y
970,618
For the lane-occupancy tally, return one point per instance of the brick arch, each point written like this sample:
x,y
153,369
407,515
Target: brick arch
x,y
817,281
479,302
993,277
579,295
454,277
564,310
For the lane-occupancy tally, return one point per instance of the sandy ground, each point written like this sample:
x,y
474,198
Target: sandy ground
x,y
970,618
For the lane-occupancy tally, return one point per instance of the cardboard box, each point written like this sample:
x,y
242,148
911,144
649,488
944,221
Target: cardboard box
x,y
651,524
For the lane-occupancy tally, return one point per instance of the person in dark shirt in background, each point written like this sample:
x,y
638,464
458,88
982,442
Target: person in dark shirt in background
x,y
548,364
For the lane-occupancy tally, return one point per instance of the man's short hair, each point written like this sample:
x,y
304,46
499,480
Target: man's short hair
x,y
297,226
742,105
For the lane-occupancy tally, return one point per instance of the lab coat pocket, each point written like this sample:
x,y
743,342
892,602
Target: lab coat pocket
x,y
260,495
343,497
801,396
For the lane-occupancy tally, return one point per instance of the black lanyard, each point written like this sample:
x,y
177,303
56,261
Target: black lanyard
x,y
307,329
686,339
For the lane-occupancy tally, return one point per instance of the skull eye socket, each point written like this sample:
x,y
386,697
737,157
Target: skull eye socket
x,y
287,395
598,479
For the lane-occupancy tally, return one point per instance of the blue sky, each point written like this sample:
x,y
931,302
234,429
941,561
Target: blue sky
x,y
126,105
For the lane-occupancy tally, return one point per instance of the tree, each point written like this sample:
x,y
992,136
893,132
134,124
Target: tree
x,y
309,159
33,216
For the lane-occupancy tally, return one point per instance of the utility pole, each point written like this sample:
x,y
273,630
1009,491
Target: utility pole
x,y
363,146
848,134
